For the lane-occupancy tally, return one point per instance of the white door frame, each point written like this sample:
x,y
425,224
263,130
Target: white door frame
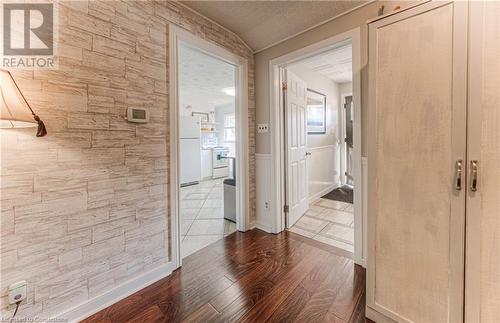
x,y
178,36
277,130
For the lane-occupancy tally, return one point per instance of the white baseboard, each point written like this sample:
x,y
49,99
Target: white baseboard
x,y
376,316
95,304
263,227
317,196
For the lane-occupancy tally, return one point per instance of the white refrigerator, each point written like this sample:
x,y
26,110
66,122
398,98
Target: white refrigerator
x,y
190,150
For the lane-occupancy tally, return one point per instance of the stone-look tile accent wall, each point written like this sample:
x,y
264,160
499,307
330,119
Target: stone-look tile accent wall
x,y
85,208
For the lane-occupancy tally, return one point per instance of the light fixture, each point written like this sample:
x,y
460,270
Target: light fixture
x,y
15,112
231,91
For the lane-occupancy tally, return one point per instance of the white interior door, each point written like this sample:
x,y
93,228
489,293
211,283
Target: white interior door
x,y
295,94
416,149
482,285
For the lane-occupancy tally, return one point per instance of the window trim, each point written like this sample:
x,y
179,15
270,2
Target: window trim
x,y
233,114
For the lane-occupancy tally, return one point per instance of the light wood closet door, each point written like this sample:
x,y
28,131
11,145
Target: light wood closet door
x,y
483,206
417,133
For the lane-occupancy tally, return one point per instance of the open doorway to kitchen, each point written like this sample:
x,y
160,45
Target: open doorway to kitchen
x,y
209,177
207,143
318,139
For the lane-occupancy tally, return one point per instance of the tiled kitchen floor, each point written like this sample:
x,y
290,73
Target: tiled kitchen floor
x,y
328,221
202,215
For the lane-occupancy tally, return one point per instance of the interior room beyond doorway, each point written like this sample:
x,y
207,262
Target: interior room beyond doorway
x,y
207,149
327,77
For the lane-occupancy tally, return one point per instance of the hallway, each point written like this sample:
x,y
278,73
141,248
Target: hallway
x,y
252,277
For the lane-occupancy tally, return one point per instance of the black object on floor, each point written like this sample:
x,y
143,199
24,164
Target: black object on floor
x,y
342,194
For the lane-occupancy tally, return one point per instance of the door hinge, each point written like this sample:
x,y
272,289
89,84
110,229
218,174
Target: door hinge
x,y
286,208
284,86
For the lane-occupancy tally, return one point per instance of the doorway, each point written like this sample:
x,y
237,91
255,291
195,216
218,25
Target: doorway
x,y
317,142
209,154
318,126
207,142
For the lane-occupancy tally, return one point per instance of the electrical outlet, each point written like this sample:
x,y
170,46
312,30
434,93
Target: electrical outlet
x,y
266,205
18,292
262,128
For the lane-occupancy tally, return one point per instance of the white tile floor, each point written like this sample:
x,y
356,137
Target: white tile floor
x,y
328,221
202,215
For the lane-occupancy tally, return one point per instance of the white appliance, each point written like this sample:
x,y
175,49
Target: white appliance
x,y
206,163
220,164
190,150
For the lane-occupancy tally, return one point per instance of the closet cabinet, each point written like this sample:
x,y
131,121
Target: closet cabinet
x,y
482,284
434,164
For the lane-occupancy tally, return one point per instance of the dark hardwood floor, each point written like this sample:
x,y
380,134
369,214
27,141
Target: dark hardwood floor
x,y
252,277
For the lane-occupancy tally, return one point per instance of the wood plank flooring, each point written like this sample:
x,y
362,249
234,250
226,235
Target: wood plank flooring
x,y
252,277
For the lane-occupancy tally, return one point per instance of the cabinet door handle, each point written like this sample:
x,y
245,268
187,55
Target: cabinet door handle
x,y
458,175
473,176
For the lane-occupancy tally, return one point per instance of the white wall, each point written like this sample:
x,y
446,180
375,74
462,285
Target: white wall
x,y
344,89
323,165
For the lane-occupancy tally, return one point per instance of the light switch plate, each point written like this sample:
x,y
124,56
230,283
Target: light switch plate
x,y
262,128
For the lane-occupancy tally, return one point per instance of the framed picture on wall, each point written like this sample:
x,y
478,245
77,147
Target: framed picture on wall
x,y
316,112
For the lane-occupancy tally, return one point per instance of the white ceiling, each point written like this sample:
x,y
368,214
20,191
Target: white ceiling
x,y
202,79
264,23
335,64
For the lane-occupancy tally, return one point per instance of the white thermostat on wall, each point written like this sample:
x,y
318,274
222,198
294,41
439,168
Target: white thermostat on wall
x,y
138,115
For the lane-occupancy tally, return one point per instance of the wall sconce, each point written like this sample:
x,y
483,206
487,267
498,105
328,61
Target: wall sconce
x,y
14,109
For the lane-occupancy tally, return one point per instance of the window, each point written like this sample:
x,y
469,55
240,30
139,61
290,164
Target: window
x,y
229,127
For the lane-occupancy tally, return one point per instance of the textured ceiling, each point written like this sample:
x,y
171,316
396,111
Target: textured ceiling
x,y
335,64
202,79
264,23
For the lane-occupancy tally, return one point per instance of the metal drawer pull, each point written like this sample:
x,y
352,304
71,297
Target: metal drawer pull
x,y
473,180
458,168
